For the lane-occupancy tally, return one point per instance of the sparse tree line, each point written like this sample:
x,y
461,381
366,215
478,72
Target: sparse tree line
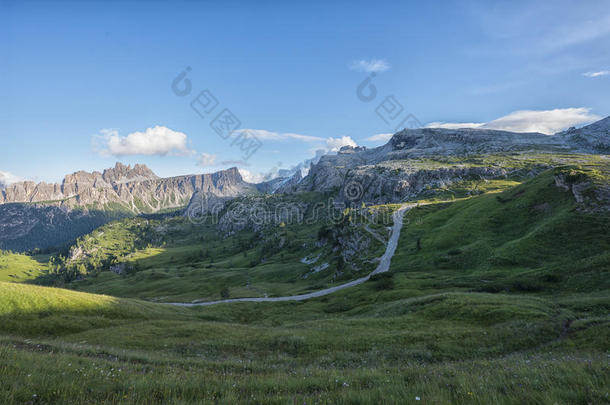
x,y
104,250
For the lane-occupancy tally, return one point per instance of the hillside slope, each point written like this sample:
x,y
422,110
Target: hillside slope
x,y
533,237
33,310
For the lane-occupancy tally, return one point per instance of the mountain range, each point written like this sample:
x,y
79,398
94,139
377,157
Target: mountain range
x,y
136,189
35,215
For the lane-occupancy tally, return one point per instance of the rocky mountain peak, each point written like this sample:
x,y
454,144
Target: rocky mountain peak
x,y
123,174
135,188
593,138
231,174
601,125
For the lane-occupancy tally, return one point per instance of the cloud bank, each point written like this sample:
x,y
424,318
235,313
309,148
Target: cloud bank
x,y
545,121
334,144
380,138
252,177
325,146
265,135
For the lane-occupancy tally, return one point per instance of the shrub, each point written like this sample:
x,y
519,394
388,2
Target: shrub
x,y
383,281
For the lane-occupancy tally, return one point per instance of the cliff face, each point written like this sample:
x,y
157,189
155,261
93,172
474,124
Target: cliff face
x,y
135,189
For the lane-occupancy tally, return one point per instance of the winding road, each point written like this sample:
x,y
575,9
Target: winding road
x,y
382,267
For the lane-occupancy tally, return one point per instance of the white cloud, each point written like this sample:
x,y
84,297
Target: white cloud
x,y
263,134
373,65
252,177
331,144
597,74
452,125
206,160
545,121
380,138
334,144
158,140
7,178
322,146
234,163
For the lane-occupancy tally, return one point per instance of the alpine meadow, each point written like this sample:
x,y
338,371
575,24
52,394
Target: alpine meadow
x,y
425,220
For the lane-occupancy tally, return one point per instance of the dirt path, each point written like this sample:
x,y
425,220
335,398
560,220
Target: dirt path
x,y
384,265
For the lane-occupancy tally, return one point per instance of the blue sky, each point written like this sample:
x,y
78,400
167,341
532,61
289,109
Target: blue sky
x,y
84,84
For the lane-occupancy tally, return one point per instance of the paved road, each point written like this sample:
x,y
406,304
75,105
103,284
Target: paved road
x,y
384,265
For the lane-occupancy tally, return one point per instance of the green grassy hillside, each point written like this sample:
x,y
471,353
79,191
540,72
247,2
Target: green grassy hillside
x,y
500,297
37,311
362,345
20,267
530,238
177,260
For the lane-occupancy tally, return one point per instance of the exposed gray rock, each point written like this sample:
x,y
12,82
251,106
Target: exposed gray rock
x,y
84,201
589,196
360,174
135,189
290,184
594,138
204,203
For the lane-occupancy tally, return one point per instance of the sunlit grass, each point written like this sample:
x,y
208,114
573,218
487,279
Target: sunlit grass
x,y
503,300
20,267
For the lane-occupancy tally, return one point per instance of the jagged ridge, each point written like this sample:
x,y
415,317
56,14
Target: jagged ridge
x,y
137,189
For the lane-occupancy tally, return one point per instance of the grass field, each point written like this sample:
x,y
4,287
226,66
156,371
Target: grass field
x,y
74,347
20,267
498,298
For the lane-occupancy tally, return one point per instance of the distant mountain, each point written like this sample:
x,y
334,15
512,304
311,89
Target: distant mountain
x,y
43,215
386,173
136,190
594,138
30,226
46,215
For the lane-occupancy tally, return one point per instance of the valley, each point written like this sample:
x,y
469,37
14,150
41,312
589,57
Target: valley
x,y
482,279
306,203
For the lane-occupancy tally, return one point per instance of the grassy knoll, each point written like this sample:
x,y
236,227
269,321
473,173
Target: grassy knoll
x,y
198,264
20,267
32,310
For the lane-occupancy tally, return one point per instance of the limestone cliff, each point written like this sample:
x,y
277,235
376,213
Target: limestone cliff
x,y
135,189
